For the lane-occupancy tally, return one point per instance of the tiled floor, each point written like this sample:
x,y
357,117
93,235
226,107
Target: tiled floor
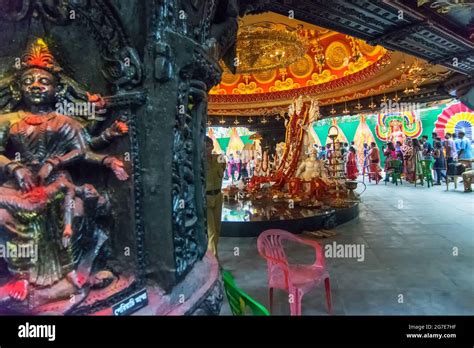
x,y
410,237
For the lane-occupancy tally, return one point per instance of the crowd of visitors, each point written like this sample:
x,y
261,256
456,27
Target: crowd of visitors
x,y
437,156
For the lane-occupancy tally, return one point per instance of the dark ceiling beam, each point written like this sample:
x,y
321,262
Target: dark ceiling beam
x,y
391,24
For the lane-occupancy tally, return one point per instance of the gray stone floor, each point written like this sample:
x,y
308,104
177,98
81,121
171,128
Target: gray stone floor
x,y
409,234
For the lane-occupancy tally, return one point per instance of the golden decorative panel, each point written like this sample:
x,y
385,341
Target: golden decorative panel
x,y
316,78
264,45
247,88
284,85
218,90
303,67
337,55
229,79
265,76
365,48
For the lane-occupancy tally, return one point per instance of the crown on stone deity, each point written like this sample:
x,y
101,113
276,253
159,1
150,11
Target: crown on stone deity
x,y
39,56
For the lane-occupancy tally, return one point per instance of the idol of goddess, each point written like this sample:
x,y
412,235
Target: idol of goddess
x,y
39,202
396,133
311,168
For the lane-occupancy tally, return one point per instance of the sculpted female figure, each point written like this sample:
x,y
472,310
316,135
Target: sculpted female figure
x,y
46,210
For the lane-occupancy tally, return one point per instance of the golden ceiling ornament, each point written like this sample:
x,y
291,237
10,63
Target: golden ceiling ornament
x,y
229,79
333,111
445,6
303,67
249,120
346,110
396,98
367,49
324,77
218,90
284,85
265,76
337,55
249,88
354,67
372,105
419,73
236,121
359,105
265,46
222,121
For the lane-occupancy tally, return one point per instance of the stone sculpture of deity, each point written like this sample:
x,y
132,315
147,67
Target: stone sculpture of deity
x,y
41,207
311,168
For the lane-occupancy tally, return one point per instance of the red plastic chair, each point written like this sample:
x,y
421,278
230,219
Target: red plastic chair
x,y
297,280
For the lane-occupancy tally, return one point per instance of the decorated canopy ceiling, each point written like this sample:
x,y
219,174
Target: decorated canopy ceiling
x,y
325,56
279,59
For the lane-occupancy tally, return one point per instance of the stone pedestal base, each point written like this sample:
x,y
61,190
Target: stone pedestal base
x,y
200,293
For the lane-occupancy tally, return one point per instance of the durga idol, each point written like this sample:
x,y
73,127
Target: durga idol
x,y
40,204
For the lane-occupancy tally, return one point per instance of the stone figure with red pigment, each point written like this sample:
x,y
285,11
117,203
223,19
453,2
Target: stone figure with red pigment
x,y
41,208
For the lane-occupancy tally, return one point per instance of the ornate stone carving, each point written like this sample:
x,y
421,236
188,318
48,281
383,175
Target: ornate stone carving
x,y
42,207
212,304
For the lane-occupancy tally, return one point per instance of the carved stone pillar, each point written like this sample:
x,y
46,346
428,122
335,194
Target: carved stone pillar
x,y
153,62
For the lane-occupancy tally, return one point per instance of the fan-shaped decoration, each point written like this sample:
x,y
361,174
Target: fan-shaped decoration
x,y
363,135
455,118
397,126
314,136
235,143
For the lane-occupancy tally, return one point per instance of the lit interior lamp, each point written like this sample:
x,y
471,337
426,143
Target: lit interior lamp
x,y
249,120
396,99
222,121
372,104
346,110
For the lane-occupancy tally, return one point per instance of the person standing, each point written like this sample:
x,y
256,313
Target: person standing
x,y
252,166
464,147
328,151
322,153
390,155
374,157
214,173
230,168
440,162
427,148
456,142
417,158
351,166
450,148
353,145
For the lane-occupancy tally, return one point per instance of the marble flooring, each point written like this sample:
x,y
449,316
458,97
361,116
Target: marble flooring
x,y
418,257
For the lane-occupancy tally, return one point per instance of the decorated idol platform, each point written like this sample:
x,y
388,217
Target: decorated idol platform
x,y
297,191
248,219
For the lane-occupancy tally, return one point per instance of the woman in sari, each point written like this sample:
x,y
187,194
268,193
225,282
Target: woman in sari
x,y
413,156
390,154
374,157
351,165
